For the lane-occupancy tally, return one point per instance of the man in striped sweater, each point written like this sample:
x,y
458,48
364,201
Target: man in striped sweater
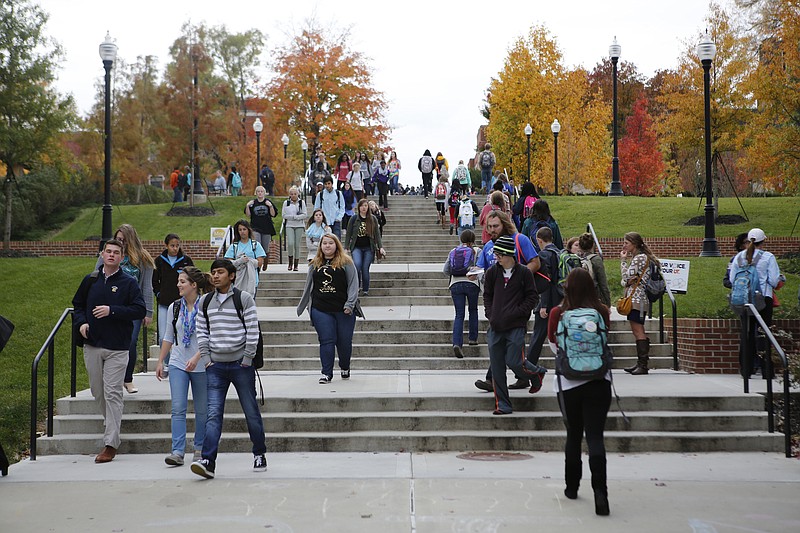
x,y
230,343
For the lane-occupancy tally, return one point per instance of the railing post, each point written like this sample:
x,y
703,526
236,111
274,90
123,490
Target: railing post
x,y
787,432
73,371
661,319
34,401
145,348
51,359
770,402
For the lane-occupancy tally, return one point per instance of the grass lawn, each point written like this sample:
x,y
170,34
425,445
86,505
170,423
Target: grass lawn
x,y
152,223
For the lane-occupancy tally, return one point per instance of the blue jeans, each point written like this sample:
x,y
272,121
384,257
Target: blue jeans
x,y
335,333
336,229
486,179
395,183
132,354
220,377
507,349
363,257
463,293
179,380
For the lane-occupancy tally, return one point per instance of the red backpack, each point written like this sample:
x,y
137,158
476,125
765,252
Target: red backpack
x,y
441,191
527,207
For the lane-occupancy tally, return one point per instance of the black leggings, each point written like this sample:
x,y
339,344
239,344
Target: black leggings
x,y
586,407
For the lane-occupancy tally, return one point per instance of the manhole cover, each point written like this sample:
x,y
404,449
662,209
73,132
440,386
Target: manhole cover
x,y
495,456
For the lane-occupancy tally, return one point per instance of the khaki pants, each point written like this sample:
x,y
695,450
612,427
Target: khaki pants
x,y
106,369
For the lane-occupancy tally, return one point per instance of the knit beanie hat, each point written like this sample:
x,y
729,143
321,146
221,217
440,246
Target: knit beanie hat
x,y
505,245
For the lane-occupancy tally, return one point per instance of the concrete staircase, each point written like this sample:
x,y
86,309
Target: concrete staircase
x,y
408,392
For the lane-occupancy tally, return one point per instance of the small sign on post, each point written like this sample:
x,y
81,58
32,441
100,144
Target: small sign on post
x,y
217,236
676,274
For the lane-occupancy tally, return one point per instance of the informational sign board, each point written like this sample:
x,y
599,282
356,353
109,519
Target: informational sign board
x,y
676,274
217,236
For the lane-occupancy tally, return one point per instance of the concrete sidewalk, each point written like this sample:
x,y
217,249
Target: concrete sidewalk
x,y
402,492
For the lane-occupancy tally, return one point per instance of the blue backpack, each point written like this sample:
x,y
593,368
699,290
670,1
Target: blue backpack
x,y
461,259
746,288
582,339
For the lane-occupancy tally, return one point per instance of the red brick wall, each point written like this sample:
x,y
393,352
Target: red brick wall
x,y
691,246
711,346
200,250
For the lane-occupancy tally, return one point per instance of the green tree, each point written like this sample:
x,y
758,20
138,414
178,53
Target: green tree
x,y
33,113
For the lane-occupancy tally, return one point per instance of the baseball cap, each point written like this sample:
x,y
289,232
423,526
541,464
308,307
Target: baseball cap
x,y
505,245
756,235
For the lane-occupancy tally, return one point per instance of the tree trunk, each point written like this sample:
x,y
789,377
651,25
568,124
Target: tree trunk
x,y
7,192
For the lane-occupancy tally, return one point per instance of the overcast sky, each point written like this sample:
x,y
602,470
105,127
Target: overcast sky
x,y
432,59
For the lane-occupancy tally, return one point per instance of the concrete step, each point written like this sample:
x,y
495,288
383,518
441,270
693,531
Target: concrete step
x,y
403,421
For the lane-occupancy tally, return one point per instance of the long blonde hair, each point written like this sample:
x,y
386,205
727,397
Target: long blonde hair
x,y
340,257
137,255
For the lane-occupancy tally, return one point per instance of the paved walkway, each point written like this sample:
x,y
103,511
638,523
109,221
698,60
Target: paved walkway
x,y
402,492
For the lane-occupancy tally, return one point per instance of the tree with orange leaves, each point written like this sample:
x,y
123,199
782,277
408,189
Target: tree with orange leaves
x,y
324,91
641,164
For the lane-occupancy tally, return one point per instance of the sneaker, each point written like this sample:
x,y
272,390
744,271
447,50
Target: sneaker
x,y
174,459
198,454
536,384
519,384
345,374
457,352
473,343
260,463
487,386
451,229
366,293
324,380
204,468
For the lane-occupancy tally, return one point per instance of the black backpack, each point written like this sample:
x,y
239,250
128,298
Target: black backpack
x,y
258,360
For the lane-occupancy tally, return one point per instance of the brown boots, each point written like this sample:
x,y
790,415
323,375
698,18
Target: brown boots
x,y
291,260
296,262
293,263
642,356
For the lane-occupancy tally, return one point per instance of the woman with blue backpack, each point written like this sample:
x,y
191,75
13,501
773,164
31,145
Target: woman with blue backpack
x,y
464,290
578,334
754,275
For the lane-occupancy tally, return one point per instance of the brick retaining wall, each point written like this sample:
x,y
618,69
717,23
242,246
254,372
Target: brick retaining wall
x,y
711,346
199,250
662,247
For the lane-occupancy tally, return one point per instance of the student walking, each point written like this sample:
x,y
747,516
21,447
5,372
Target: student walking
x,y
585,401
316,228
509,298
364,243
180,351
227,335
168,265
248,256
331,295
261,211
107,304
294,215
464,289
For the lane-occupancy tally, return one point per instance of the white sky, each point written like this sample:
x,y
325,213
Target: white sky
x,y
432,59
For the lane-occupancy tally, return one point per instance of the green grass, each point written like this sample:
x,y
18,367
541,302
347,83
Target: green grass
x,y
152,223
664,217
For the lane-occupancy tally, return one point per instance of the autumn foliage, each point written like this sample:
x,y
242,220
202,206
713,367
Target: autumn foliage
x,y
641,164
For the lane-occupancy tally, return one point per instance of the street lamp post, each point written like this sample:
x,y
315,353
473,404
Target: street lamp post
x,y
285,141
555,127
304,146
614,51
258,127
108,53
707,50
528,132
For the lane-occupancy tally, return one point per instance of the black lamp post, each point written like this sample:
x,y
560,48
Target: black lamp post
x,y
108,53
706,51
528,132
285,141
258,127
304,146
616,189
555,127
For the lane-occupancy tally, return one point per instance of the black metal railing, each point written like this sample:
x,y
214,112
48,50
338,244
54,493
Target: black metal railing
x,y
750,343
674,325
590,229
49,347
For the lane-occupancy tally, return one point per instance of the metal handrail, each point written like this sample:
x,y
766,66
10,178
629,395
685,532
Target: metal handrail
x,y
674,303
590,229
227,241
787,437
49,346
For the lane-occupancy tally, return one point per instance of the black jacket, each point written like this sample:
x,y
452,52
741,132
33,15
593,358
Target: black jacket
x,y
165,277
121,292
510,306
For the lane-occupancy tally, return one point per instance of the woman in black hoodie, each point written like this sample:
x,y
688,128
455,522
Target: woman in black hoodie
x,y
165,279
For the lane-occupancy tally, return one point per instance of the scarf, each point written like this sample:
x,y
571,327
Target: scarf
x,y
189,321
